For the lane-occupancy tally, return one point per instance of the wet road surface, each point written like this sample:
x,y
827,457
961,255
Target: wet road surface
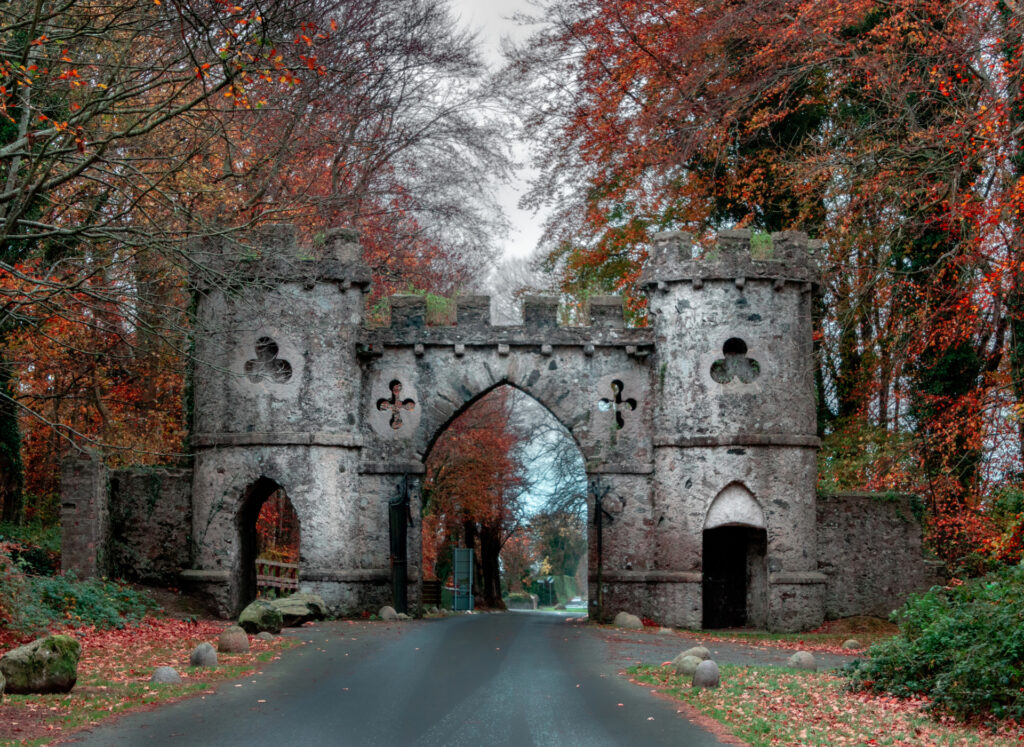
x,y
485,679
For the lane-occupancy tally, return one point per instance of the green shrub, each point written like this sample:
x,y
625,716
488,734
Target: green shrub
x,y
34,547
12,587
55,600
962,647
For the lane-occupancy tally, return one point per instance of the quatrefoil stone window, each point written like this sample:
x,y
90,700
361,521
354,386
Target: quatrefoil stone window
x,y
735,364
266,366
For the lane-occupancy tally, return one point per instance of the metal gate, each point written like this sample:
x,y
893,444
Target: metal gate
x,y
462,574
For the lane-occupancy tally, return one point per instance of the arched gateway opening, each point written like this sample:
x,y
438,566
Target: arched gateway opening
x,y
268,536
735,546
504,487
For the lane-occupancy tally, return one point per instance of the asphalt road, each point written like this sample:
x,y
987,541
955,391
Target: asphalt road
x,y
489,679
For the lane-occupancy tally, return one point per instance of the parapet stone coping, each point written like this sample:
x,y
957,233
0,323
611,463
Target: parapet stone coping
x,y
797,578
351,575
737,439
646,577
277,438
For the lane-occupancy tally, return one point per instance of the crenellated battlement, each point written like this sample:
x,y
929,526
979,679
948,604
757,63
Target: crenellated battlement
x,y
471,325
275,253
409,311
788,256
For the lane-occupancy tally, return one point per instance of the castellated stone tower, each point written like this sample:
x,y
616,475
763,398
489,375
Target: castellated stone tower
x,y
276,385
734,429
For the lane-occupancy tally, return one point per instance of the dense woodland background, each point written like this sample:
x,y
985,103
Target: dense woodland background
x,y
890,130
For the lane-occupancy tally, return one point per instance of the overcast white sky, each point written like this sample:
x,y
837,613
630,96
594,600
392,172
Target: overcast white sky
x,y
490,20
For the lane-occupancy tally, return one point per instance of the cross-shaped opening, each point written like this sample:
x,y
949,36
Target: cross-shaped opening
x,y
395,404
617,404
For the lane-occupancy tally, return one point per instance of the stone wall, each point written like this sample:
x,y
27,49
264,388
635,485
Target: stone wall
x,y
150,523
869,547
84,517
131,523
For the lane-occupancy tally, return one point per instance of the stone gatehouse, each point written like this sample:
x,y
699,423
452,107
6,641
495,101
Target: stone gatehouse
x,y
700,427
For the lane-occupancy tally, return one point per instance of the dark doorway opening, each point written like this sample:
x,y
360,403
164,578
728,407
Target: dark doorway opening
x,y
735,577
268,534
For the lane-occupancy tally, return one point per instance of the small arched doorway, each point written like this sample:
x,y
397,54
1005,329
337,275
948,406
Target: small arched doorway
x,y
735,545
268,533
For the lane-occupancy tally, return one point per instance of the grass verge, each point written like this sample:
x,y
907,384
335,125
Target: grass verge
x,y
773,706
828,638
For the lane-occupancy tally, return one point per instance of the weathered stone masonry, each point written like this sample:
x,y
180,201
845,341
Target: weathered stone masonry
x,y
702,426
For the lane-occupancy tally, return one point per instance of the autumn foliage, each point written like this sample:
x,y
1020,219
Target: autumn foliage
x,y
277,529
128,131
890,131
471,491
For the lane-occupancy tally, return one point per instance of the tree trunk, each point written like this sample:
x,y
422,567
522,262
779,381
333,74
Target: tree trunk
x,y
10,451
490,549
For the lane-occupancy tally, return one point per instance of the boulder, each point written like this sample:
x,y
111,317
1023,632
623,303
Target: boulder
x,y
802,660
626,620
165,676
706,675
852,644
261,615
233,640
300,608
699,651
387,613
203,656
686,665
664,631
47,665
265,636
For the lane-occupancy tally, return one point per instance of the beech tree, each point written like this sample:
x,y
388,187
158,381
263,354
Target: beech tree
x,y
128,129
472,489
889,130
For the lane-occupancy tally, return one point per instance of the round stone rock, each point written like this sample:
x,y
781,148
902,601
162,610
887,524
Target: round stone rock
x,y
802,660
852,644
686,665
165,676
204,655
264,636
261,615
707,675
626,620
233,640
46,665
699,651
387,612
